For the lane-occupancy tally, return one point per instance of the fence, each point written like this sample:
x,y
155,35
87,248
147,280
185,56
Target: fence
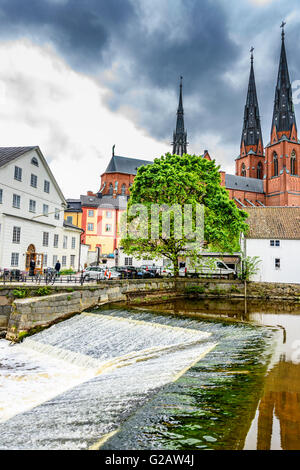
x,y
46,279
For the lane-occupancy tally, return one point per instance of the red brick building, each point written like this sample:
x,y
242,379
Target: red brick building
x,y
263,176
269,177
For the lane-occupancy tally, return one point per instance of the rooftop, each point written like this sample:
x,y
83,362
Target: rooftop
x,y
282,223
125,165
8,154
243,183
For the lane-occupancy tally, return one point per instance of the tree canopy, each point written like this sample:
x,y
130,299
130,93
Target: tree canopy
x,y
182,180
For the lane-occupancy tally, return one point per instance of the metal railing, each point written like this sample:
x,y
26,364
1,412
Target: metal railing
x,y
47,279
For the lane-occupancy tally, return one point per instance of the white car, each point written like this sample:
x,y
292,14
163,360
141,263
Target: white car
x,y
212,268
167,272
93,272
112,273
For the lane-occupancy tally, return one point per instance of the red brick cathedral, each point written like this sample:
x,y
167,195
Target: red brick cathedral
x,y
264,176
271,174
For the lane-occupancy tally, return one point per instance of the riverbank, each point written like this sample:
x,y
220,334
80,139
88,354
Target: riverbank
x,y
23,313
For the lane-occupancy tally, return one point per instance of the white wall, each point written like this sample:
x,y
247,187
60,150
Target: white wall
x,y
33,225
288,253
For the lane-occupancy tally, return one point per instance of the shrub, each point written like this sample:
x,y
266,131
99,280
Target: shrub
x,y
66,272
43,291
20,293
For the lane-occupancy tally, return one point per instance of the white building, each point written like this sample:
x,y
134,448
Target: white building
x,y
274,236
32,214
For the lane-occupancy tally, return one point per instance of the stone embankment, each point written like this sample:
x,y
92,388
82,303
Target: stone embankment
x,y
28,315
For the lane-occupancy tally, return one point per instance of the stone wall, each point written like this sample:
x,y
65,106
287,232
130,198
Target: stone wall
x,y
34,313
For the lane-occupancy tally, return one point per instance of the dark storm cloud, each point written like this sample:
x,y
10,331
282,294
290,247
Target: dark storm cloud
x,y
80,29
139,48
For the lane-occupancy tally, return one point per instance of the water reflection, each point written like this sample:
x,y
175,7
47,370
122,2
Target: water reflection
x,y
276,424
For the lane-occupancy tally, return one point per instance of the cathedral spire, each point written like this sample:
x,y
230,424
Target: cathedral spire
x,y
284,120
180,136
251,134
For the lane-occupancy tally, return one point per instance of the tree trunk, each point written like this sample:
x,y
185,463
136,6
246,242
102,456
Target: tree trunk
x,y
176,267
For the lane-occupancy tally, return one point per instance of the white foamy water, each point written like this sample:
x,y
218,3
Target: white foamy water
x,y
28,379
85,375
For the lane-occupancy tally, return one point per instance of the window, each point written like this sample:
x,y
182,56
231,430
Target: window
x,y
54,261
1,196
64,261
123,190
33,181
34,161
243,170
108,214
45,238
56,215
259,171
55,241
16,234
90,227
293,163
111,189
18,173
108,228
16,201
45,260
275,164
91,213
65,244
46,186
73,261
32,206
73,243
45,210
128,261
274,242
277,263
14,259
70,219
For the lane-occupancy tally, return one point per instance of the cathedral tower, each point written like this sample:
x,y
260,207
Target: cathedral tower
x,y
282,181
250,163
180,135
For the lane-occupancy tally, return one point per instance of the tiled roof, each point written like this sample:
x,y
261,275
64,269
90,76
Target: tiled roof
x,y
241,183
7,154
282,223
125,165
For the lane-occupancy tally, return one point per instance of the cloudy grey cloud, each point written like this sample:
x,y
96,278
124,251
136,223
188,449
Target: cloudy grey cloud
x,y
139,48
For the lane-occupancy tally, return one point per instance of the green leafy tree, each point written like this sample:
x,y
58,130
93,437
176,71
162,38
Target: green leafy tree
x,y
250,267
181,180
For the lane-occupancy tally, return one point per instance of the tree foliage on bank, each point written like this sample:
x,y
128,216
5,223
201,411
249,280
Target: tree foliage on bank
x,y
187,179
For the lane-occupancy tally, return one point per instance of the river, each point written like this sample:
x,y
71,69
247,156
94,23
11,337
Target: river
x,y
185,375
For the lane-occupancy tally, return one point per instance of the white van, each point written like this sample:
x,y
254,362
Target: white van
x,y
208,268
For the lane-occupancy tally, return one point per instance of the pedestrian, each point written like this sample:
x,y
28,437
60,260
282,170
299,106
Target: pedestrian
x,y
57,267
31,267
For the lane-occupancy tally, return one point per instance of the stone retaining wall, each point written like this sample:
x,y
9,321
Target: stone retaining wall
x,y
31,314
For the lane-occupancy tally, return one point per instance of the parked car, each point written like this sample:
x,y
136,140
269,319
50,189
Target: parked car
x,y
152,268
112,273
167,272
93,272
211,268
146,274
128,272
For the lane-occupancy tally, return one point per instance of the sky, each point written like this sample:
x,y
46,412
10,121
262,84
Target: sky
x,y
79,76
